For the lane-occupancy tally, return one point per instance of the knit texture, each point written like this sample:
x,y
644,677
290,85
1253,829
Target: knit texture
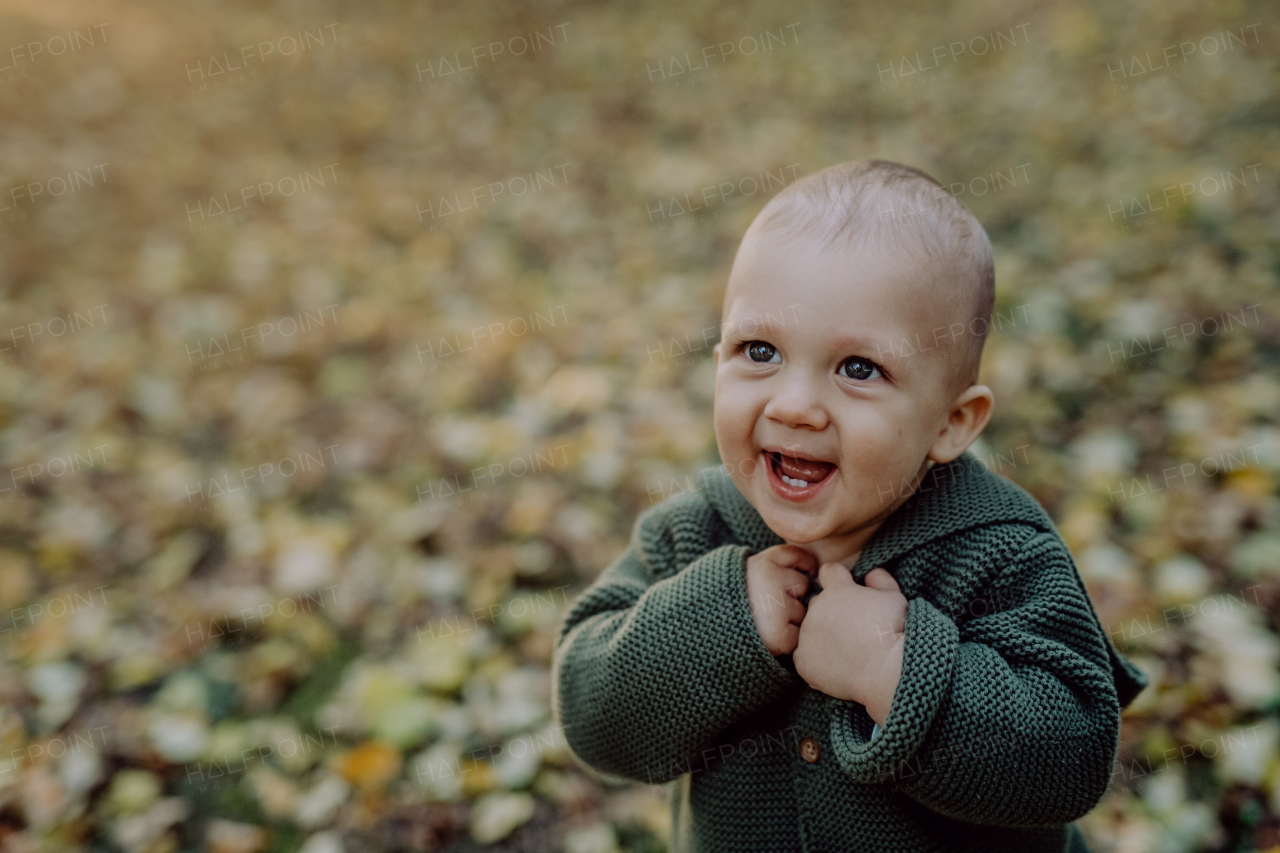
x,y
1003,728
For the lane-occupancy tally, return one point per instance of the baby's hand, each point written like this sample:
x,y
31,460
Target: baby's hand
x,y
777,578
851,644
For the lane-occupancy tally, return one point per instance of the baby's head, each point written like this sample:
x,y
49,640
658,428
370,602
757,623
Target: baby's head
x,y
853,326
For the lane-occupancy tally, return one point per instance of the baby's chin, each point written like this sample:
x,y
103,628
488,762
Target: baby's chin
x,y
795,528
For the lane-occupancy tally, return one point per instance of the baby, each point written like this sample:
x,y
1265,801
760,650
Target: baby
x,y
853,637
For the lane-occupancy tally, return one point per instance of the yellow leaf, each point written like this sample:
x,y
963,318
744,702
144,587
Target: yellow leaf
x,y
369,766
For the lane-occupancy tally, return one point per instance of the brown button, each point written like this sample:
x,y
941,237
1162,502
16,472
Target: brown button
x,y
809,750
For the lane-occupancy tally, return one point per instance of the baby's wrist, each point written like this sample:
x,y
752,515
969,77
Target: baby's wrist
x,y
885,683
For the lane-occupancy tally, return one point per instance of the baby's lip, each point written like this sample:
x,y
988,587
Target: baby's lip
x,y
798,454
796,478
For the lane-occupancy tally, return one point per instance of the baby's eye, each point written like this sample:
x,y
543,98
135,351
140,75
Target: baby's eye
x,y
759,351
858,368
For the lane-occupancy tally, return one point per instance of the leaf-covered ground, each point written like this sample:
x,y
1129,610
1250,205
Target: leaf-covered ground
x,y
342,344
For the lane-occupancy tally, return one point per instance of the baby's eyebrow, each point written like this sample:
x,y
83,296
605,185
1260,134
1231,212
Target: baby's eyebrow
x,y
884,348
750,329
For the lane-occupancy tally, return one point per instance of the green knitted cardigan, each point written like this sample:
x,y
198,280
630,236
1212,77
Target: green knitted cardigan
x,y
1003,729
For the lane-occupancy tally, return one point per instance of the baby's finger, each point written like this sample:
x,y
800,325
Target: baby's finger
x,y
795,610
879,578
797,582
835,576
788,639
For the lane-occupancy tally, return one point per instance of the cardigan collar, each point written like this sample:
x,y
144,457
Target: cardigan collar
x,y
955,496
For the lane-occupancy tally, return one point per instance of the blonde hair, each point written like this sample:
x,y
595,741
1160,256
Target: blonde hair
x,y
904,210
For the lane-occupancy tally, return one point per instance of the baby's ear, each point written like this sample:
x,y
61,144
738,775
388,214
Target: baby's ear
x,y
968,417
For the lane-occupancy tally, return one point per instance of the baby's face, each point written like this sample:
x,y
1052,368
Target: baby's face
x,y
822,415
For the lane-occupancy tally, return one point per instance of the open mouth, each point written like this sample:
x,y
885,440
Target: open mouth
x,y
796,478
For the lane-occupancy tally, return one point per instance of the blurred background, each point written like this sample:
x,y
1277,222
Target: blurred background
x,y
343,343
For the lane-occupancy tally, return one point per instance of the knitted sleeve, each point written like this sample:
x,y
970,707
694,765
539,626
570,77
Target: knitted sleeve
x,y
649,668
1012,720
